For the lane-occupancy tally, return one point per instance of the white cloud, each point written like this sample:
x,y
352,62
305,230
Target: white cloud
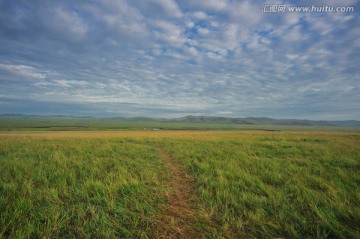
x,y
71,83
200,15
295,57
66,23
23,71
214,56
234,35
192,51
321,26
246,13
170,7
294,34
203,30
121,18
168,32
292,18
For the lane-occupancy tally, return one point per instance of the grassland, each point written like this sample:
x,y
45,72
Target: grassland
x,y
99,124
246,184
70,123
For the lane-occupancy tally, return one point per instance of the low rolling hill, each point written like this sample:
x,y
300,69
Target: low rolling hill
x,y
60,122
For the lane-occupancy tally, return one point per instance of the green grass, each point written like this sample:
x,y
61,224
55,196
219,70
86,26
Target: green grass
x,y
101,124
248,184
279,186
85,124
78,189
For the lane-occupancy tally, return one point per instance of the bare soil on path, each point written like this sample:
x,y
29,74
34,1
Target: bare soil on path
x,y
178,216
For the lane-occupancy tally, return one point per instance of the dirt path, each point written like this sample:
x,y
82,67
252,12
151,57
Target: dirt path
x,y
178,216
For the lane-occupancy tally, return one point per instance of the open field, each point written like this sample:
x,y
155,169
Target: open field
x,y
70,123
180,184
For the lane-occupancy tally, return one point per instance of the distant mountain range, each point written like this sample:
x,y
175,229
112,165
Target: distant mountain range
x,y
190,119
265,121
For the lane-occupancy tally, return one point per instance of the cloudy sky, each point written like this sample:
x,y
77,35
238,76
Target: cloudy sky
x,y
170,58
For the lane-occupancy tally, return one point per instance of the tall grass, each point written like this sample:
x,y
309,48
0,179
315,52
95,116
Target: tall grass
x,y
275,185
248,184
78,189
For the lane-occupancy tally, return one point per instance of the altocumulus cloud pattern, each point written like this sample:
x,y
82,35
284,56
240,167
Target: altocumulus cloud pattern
x,y
172,58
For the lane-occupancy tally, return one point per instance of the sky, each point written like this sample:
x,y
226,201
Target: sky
x,y
172,58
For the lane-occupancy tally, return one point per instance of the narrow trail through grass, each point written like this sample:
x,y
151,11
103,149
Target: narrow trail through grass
x,y
178,216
